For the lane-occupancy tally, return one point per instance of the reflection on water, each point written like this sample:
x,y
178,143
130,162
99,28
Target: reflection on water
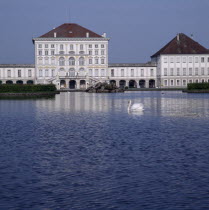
x,y
175,104
85,151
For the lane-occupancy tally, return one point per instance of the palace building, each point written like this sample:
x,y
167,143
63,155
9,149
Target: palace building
x,y
73,57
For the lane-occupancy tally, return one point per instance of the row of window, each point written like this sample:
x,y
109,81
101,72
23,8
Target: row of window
x,y
19,73
185,59
186,72
183,82
52,52
133,73
71,46
72,72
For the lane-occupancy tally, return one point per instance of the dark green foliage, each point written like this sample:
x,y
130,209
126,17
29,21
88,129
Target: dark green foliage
x,y
198,86
7,88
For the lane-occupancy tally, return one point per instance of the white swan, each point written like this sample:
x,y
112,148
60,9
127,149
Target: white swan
x,y
135,107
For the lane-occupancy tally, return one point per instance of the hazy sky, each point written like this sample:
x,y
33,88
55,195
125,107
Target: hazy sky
x,y
137,28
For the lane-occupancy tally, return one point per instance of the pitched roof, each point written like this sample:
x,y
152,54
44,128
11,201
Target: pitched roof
x,y
70,30
182,44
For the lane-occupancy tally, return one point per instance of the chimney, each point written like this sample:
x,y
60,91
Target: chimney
x,y
104,35
178,37
55,34
192,36
87,34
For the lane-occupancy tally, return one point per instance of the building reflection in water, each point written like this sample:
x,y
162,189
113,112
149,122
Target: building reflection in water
x,y
175,104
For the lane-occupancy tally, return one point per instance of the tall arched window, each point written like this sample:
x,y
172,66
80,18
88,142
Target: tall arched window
x,y
81,61
71,61
72,72
61,61
81,72
61,47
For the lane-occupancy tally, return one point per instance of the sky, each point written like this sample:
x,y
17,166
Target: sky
x,y
136,28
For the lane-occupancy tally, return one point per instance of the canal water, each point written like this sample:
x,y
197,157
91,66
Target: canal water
x,y
86,151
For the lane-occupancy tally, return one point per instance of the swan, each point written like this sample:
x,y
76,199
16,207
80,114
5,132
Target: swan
x,y
135,107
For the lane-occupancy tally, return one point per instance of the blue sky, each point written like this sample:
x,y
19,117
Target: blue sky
x,y
137,28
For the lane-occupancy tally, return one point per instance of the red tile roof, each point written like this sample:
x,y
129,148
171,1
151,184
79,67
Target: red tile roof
x,y
182,45
70,30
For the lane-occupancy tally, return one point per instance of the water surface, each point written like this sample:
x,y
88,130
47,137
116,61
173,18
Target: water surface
x,y
85,151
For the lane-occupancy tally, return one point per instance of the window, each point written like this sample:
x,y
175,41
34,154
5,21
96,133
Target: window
x,y
96,61
61,61
8,73
46,73
196,71
202,59
40,46
81,61
46,61
96,52
112,72
190,59
61,47
40,52
178,82
90,52
53,61
203,80
196,80
171,71
71,47
202,71
184,59
19,73
40,61
46,52
208,59
52,52
208,71
72,72
122,72
178,71
190,71
102,52
196,59
102,46
52,46
46,45
184,82
171,59
71,61
90,72
29,73
90,46
90,61
53,73
96,45
190,81
165,72
102,61
40,72
132,72
184,71
82,72
172,83
81,47
142,72
178,59
151,72
165,82
102,72
96,72
165,59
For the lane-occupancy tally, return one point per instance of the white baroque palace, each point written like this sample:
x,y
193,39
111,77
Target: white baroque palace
x,y
73,57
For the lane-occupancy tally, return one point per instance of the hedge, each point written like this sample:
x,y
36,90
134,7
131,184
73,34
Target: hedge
x,y
198,86
7,88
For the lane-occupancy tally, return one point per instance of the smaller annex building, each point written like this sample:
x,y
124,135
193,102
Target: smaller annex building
x,y
73,57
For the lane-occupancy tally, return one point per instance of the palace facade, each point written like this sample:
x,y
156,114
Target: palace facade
x,y
73,57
